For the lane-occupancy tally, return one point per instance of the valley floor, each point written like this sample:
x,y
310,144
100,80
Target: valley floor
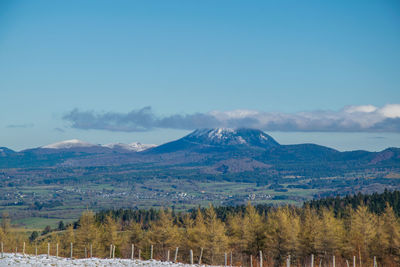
x,y
12,259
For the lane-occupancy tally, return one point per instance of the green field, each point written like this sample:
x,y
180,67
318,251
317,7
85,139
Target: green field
x,y
39,199
55,203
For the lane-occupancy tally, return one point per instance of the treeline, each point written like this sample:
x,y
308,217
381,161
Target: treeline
x,y
283,231
375,202
146,216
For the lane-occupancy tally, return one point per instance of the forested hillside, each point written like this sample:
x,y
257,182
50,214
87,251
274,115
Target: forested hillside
x,y
375,202
243,230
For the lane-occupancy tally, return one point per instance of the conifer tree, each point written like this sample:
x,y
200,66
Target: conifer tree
x,y
5,228
391,227
3,236
5,223
380,241
362,231
309,227
254,231
282,230
195,232
109,235
33,236
216,240
163,232
68,237
135,233
235,232
87,234
330,234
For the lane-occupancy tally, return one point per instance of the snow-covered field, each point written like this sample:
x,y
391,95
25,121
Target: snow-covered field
x,y
42,260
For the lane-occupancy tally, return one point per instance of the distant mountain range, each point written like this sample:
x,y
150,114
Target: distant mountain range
x,y
75,144
217,150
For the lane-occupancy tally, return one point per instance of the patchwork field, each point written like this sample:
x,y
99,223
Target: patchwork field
x,y
36,205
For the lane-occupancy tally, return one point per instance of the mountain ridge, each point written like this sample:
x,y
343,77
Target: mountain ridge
x,y
215,149
75,144
218,138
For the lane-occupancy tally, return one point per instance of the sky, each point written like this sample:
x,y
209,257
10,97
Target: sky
x,y
324,72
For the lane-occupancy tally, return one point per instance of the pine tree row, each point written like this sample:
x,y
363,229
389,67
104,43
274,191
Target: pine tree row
x,y
283,231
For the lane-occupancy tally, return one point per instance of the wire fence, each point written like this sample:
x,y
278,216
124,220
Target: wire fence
x,y
198,256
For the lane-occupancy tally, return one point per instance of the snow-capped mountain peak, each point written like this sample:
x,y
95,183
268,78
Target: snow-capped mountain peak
x,y
228,136
75,143
69,144
135,146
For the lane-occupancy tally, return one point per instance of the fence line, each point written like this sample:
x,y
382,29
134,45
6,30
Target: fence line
x,y
188,256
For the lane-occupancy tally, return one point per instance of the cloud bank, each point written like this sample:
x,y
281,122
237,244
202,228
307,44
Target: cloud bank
x,y
367,118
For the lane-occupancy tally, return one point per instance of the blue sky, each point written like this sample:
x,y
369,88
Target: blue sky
x,y
67,67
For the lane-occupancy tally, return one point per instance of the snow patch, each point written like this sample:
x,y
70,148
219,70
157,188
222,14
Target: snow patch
x,y
135,146
219,136
74,143
69,144
11,259
263,137
221,133
241,140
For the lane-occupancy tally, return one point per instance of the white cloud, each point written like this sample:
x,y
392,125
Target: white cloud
x,y
366,109
365,118
391,111
234,114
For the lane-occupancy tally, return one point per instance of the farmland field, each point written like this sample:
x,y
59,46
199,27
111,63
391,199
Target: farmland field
x,y
35,203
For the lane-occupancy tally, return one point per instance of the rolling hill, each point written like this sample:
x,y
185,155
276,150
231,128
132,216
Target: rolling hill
x,y
218,150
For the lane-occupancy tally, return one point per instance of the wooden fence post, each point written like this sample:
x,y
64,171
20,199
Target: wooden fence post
x,y
168,255
57,250
231,259
85,252
288,261
151,252
354,261
36,250
375,263
111,248
312,261
72,248
16,250
347,262
132,251
333,261
139,253
201,255
23,249
191,257
48,250
91,250
113,251
226,260
176,254
251,260
2,250
261,259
